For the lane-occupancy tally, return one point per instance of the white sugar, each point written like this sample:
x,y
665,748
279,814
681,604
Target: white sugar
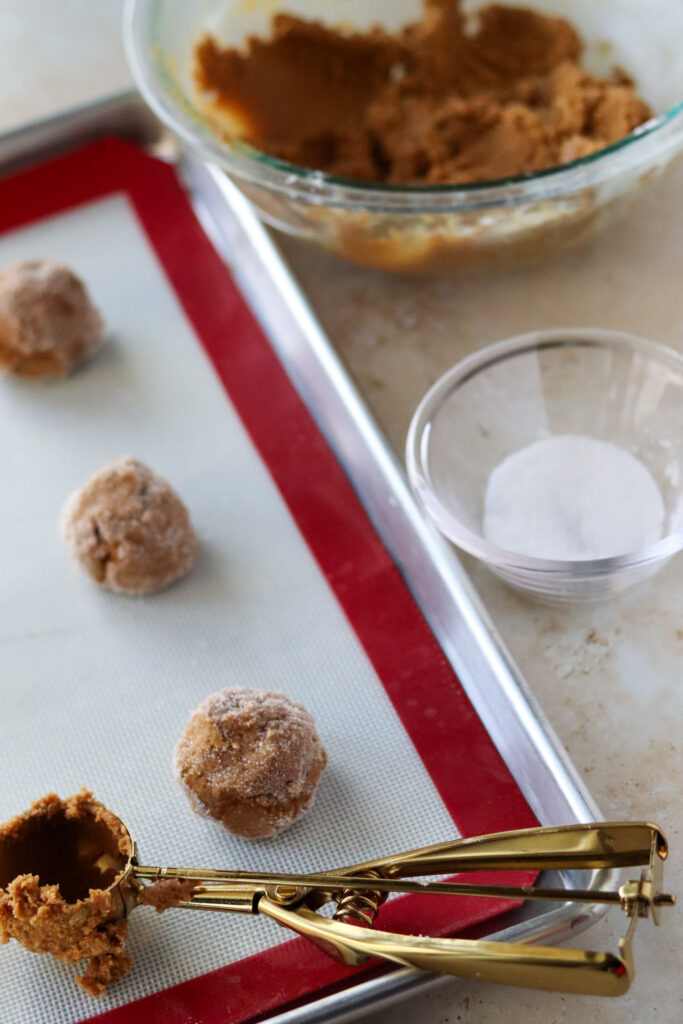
x,y
570,497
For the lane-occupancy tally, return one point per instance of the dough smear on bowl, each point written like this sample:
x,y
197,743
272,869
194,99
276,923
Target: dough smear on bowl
x,y
251,759
48,324
128,529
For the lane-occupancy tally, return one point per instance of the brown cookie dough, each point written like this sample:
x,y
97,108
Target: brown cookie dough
x,y
446,100
250,758
54,896
47,322
166,893
128,529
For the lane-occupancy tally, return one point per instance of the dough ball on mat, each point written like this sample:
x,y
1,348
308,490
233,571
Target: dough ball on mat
x,y
250,758
128,529
47,322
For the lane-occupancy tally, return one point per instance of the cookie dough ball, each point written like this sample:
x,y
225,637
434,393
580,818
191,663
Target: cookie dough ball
x,y
128,529
250,758
47,322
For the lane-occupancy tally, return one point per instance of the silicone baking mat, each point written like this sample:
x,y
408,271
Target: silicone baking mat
x,y
293,591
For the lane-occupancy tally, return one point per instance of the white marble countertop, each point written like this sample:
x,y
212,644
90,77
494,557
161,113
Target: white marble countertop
x,y
608,677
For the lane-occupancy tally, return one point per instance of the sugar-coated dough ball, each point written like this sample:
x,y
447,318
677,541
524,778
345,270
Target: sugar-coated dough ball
x,y
250,758
128,529
47,322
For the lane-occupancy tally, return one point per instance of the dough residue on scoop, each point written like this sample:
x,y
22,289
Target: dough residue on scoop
x,y
167,893
48,323
52,902
250,758
128,529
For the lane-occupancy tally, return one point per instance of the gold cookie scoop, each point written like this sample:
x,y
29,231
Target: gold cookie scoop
x,y
95,851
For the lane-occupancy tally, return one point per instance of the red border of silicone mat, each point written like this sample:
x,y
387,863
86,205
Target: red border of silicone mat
x,y
466,768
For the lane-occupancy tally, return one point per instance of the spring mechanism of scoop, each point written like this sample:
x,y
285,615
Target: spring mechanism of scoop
x,y
360,907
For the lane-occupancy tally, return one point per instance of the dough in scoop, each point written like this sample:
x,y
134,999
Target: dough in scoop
x,y
55,897
128,529
48,323
250,758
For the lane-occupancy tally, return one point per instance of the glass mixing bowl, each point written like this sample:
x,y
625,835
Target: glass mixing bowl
x,y
412,229
602,385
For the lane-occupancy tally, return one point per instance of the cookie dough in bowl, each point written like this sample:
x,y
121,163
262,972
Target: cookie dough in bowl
x,y
426,225
447,100
128,529
251,759
48,323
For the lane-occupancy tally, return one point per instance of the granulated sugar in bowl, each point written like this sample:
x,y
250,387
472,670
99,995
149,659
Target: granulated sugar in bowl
x,y
557,459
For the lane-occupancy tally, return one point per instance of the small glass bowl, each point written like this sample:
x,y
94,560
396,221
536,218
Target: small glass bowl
x,y
598,384
421,229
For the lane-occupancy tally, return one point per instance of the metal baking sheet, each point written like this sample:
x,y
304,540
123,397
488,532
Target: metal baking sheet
x,y
428,564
